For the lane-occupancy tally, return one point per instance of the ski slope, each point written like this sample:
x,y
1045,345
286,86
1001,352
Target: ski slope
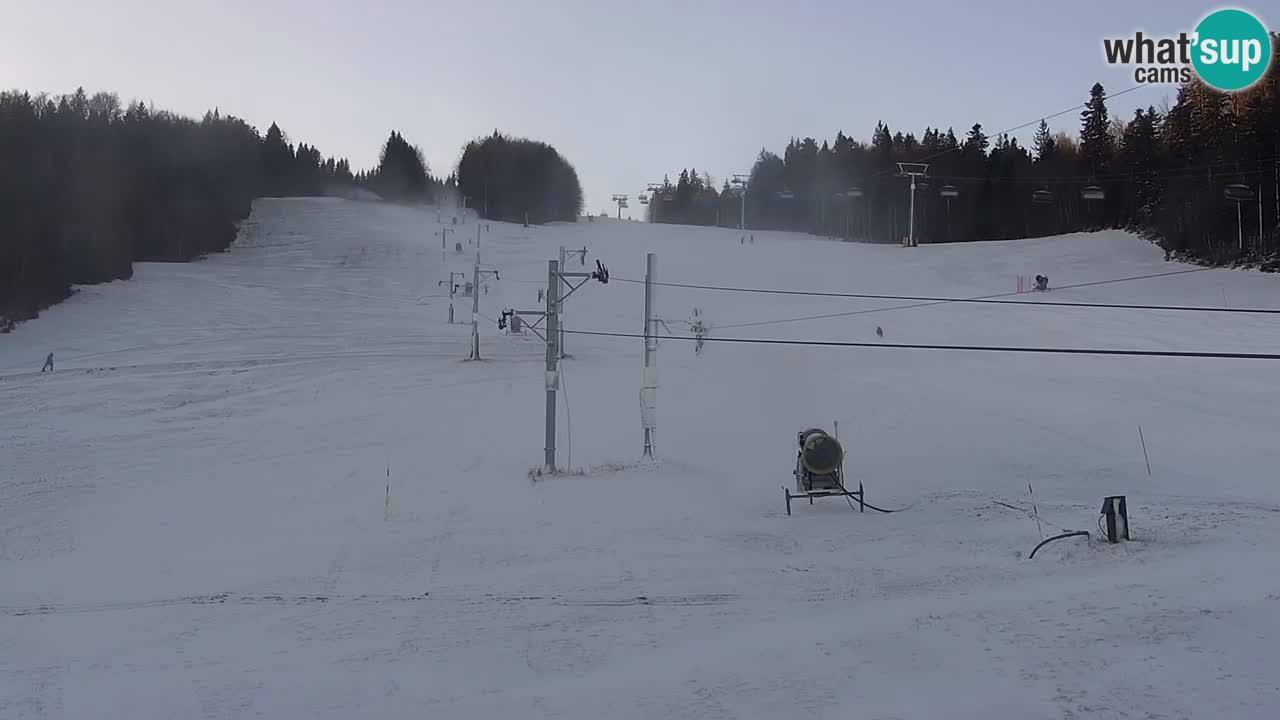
x,y
195,518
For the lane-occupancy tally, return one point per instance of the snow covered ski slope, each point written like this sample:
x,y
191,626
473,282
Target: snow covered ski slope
x,y
195,518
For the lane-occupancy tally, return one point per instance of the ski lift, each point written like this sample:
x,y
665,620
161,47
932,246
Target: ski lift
x,y
854,192
1237,192
922,184
787,195
1042,196
1093,192
644,200
949,191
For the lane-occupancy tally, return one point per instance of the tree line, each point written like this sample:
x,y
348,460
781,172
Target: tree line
x,y
88,187
1177,174
518,180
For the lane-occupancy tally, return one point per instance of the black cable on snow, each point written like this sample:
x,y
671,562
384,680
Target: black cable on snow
x,y
1046,541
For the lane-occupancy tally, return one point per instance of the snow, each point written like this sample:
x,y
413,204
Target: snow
x,y
194,510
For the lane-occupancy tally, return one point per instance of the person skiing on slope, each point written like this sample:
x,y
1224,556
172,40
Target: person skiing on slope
x,y
48,363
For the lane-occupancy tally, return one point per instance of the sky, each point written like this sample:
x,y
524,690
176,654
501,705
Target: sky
x,y
627,92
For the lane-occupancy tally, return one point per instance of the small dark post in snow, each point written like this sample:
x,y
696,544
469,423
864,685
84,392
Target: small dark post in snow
x,y
1116,510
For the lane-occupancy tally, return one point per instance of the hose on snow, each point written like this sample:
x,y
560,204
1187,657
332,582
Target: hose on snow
x,y
1046,541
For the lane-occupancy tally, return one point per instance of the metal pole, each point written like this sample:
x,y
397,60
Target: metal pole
x,y
911,223
1240,225
648,395
451,298
560,341
1258,248
475,309
553,370
742,219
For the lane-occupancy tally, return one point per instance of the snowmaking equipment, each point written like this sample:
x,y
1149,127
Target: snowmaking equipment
x,y
820,470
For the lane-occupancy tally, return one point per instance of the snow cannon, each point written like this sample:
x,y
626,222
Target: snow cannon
x,y
820,454
819,469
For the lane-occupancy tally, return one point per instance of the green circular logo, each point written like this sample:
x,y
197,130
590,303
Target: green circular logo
x,y
1231,50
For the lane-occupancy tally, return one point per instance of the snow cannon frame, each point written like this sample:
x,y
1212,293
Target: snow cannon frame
x,y
819,469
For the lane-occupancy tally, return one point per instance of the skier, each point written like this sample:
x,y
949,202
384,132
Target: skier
x,y
48,363
879,332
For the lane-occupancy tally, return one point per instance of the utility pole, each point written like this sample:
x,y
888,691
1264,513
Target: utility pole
x,y
560,339
913,170
649,392
621,200
452,285
555,301
475,309
476,274
444,243
553,362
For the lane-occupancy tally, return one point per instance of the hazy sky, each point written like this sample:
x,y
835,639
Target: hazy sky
x,y
626,91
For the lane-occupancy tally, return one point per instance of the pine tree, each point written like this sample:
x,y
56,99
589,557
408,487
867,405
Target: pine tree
x,y
1043,142
277,163
1096,143
976,142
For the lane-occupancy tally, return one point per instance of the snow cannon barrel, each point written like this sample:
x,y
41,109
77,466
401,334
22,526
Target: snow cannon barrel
x,y
820,453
